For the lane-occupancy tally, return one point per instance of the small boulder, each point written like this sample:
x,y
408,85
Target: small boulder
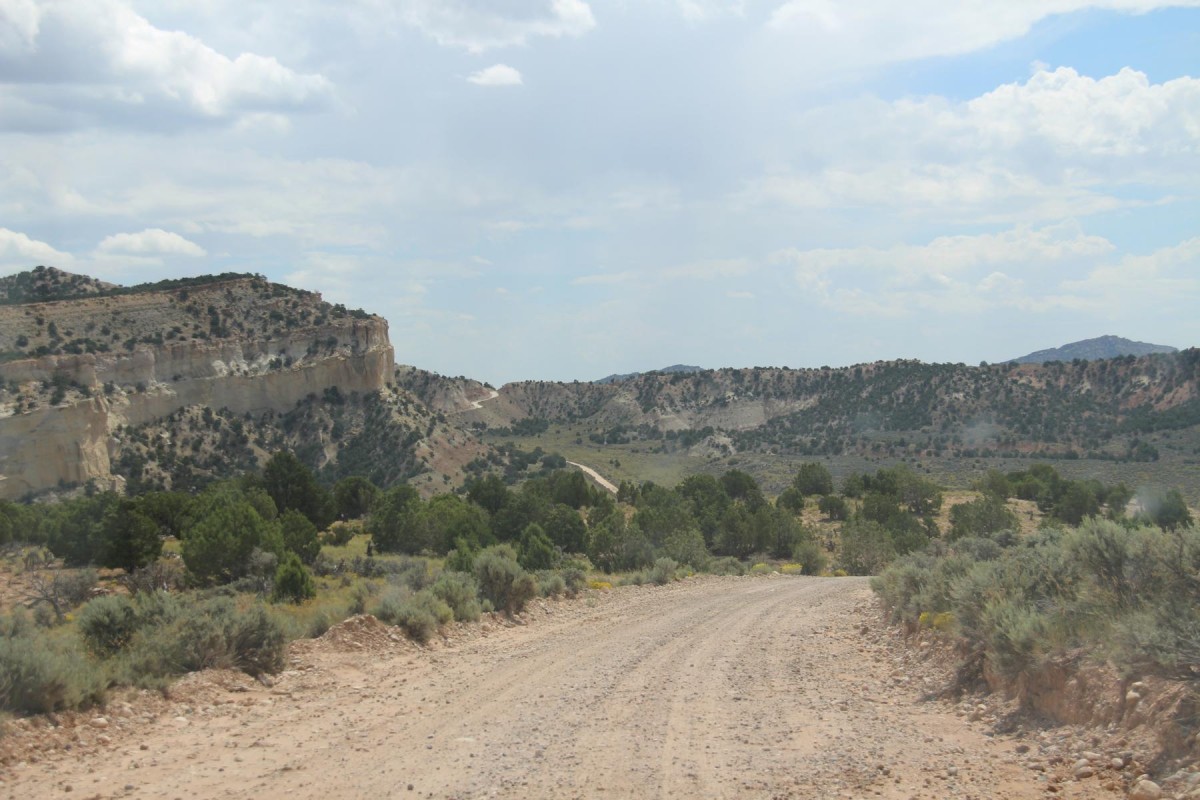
x,y
1145,790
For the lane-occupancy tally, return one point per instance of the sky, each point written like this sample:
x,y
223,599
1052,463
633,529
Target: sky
x,y
564,189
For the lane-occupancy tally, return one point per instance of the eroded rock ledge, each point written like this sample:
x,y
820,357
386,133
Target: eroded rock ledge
x,y
246,345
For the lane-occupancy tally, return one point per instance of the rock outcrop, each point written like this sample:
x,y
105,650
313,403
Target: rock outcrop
x,y
76,371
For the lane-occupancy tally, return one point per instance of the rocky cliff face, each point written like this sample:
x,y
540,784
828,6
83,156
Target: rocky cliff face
x,y
79,370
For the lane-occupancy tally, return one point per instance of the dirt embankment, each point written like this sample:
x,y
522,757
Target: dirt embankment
x,y
715,687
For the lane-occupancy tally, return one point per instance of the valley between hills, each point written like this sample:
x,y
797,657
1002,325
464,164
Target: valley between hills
x,y
172,385
243,552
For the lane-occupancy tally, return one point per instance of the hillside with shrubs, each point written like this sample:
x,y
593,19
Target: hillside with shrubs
x,y
133,590
1073,620
1125,409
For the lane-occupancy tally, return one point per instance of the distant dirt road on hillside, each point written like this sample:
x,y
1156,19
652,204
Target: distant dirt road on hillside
x,y
771,687
478,404
596,476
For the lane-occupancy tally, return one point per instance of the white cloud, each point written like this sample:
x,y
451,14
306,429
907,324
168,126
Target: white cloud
x,y
607,279
496,75
1118,116
968,191
76,61
1164,281
407,287
881,31
1021,245
20,252
150,242
510,226
950,274
1059,145
705,10
999,283
19,22
642,198
709,270
478,25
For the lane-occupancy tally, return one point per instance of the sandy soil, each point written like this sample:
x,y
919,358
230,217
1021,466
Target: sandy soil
x,y
716,687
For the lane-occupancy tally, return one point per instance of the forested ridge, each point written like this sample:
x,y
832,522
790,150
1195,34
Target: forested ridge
x,y
1078,409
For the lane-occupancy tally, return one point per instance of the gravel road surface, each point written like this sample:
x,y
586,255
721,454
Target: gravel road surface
x,y
780,687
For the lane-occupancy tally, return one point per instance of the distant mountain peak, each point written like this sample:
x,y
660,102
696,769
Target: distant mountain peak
x,y
1101,347
686,369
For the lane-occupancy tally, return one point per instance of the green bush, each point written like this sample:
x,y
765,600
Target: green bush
x,y
1016,636
393,519
293,584
977,548
502,581
256,641
810,555
633,579
18,623
419,615
1126,594
663,571
175,637
986,517
321,622
410,572
300,535
1164,639
791,499
460,592
686,547
833,507
217,548
537,551
900,587
574,579
339,534
107,624
813,478
867,547
550,584
76,586
727,565
461,558
36,677
360,596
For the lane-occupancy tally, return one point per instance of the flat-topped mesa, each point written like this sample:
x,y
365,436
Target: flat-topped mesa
x,y
75,370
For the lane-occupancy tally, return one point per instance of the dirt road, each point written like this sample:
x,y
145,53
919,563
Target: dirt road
x,y
604,483
478,404
708,688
